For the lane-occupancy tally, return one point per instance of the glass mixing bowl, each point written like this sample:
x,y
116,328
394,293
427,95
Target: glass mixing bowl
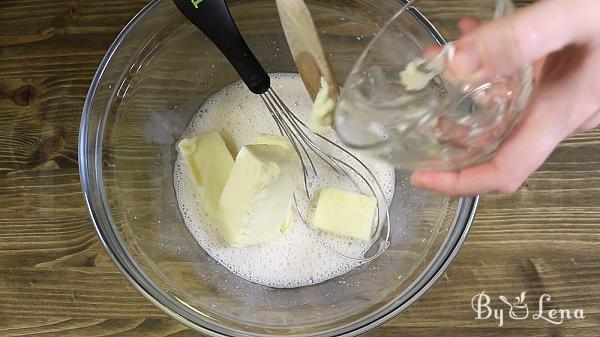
x,y
152,81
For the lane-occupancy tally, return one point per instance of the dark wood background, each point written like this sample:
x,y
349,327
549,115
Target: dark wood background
x,y
56,279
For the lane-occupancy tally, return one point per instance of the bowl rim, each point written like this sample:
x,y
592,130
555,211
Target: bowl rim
x,y
178,309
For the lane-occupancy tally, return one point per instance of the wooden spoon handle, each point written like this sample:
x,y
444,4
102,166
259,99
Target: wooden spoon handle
x,y
307,50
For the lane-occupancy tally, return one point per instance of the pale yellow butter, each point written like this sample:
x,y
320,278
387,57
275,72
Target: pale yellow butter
x,y
414,79
210,162
323,109
265,138
345,213
287,221
255,202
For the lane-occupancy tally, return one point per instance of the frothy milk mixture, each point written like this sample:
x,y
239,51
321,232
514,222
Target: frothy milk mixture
x,y
301,256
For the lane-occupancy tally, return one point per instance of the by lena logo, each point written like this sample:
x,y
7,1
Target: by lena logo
x,y
196,2
518,310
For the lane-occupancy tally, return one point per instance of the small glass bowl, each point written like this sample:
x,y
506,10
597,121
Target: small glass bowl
x,y
441,125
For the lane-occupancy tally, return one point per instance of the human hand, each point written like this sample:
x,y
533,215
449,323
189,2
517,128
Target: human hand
x,y
563,44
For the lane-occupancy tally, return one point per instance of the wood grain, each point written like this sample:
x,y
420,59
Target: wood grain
x,y
56,280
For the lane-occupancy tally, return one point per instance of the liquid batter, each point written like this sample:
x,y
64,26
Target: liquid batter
x,y
302,256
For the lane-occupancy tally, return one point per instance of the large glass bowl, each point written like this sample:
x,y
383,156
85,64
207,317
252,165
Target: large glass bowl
x,y
152,81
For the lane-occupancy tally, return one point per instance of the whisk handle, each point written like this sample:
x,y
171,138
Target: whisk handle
x,y
214,19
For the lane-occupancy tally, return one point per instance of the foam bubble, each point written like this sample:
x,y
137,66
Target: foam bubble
x,y
302,256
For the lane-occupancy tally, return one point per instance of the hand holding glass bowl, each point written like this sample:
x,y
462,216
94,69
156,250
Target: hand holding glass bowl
x,y
449,121
564,101
488,156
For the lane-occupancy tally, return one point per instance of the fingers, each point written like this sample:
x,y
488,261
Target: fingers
x,y
590,123
468,182
432,51
520,155
468,24
465,25
509,43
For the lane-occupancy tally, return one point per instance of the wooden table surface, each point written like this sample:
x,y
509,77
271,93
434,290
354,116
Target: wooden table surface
x,y
56,279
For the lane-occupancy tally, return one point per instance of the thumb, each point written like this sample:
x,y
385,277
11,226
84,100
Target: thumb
x,y
509,43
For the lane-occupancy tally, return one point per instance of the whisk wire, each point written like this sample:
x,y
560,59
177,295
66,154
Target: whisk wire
x,y
300,137
297,124
282,107
285,130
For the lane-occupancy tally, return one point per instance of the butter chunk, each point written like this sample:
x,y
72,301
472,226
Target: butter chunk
x,y
210,161
255,202
414,79
345,213
269,139
323,109
265,138
287,221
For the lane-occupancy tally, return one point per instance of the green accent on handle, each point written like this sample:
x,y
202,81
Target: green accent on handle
x,y
196,2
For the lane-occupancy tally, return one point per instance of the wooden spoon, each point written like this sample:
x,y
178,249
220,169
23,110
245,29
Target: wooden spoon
x,y
303,40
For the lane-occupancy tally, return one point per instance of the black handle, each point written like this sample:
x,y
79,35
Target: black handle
x,y
214,19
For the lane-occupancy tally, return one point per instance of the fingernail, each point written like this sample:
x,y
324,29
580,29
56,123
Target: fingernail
x,y
417,180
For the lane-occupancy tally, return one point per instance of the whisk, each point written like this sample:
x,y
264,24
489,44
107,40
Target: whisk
x,y
315,152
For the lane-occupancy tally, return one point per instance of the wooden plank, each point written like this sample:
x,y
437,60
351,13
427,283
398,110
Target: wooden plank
x,y
57,280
